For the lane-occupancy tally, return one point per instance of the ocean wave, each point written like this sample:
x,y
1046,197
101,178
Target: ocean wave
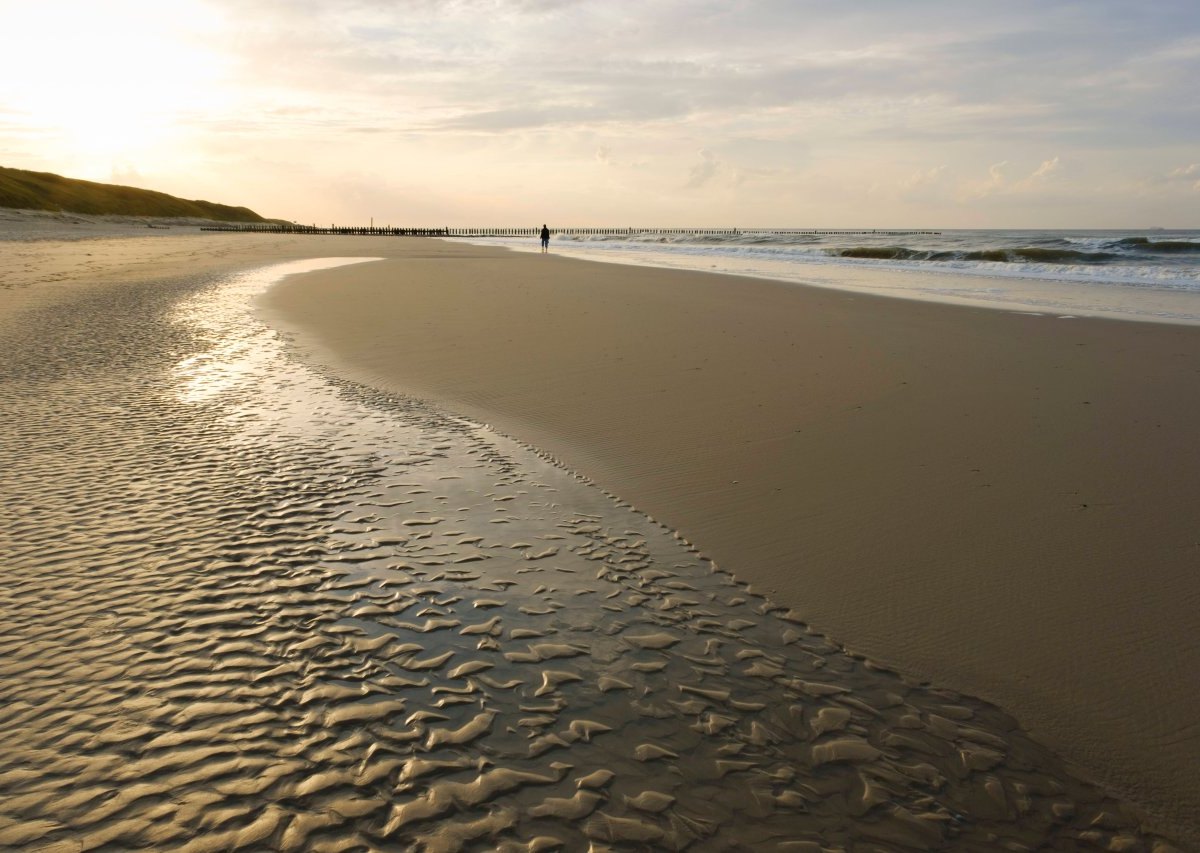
x,y
1171,247
990,247
1141,261
1071,274
1025,254
699,238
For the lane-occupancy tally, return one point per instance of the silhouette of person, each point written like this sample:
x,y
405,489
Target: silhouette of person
x,y
545,239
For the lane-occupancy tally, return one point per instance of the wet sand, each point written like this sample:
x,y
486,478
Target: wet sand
x,y
1000,503
250,603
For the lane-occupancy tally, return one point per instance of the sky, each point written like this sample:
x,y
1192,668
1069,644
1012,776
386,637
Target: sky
x,y
657,113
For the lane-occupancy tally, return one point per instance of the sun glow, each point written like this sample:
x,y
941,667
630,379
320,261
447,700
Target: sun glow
x,y
109,82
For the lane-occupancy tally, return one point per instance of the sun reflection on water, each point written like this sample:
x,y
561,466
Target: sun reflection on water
x,y
234,351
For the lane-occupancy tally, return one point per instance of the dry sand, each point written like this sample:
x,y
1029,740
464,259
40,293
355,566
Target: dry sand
x,y
1003,504
250,607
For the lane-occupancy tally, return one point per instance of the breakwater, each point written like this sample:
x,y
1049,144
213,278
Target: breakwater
x,y
390,231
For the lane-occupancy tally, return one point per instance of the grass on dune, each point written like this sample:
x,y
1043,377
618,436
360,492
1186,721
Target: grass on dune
x,y
46,191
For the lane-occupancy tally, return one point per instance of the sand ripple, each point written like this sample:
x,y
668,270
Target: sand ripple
x,y
247,607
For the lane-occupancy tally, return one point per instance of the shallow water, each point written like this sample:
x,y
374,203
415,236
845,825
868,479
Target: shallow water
x,y
247,606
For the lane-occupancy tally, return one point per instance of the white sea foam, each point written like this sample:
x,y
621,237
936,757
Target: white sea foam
x,y
1142,276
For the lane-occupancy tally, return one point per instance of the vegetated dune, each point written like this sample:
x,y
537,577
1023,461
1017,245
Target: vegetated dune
x,y
46,191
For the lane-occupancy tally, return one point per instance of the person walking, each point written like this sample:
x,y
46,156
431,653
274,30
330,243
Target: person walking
x,y
545,239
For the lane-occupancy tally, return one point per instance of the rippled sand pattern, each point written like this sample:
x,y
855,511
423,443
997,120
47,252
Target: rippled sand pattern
x,y
247,607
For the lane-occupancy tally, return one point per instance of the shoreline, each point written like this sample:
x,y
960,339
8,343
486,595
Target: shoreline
x,y
999,290
997,460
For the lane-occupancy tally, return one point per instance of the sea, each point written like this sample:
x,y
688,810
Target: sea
x,y
1148,275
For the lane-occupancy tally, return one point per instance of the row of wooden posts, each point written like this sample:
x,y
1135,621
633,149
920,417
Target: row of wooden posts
x,y
389,231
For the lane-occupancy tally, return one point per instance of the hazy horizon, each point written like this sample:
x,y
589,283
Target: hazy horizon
x,y
939,115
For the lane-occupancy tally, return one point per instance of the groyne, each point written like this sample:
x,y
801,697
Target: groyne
x,y
390,231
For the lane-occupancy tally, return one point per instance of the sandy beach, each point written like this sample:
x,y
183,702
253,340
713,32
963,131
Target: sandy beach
x,y
410,628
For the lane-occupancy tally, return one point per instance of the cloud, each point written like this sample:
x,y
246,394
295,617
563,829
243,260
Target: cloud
x,y
498,66
923,178
832,97
920,186
1038,177
704,171
998,182
1044,171
994,183
1185,177
1189,174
